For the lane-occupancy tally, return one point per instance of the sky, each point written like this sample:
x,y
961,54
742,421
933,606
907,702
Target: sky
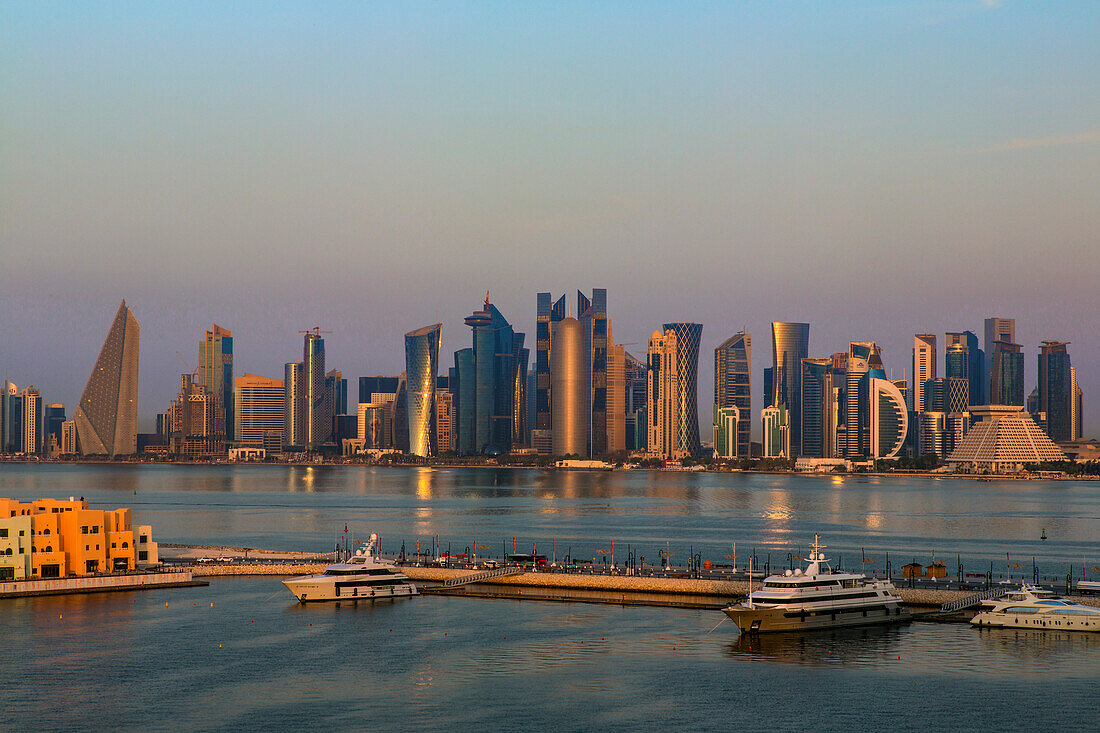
x,y
878,169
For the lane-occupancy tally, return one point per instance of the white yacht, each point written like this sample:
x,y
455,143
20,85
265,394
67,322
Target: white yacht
x,y
364,575
817,598
1031,607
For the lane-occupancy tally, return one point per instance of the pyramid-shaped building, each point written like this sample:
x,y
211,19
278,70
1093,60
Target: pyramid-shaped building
x,y
106,418
1004,439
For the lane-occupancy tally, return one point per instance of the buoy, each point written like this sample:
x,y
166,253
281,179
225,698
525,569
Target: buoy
x,y
444,633
219,646
673,648
211,604
61,616
166,604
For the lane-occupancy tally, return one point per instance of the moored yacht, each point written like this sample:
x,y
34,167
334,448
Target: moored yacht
x,y
364,575
817,598
1031,608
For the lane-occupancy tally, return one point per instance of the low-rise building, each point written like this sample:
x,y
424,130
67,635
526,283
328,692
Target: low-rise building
x,y
52,538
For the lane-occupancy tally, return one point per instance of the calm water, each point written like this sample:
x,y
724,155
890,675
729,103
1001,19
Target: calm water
x,y
257,660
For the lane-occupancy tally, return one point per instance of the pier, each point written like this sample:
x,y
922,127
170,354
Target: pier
x,y
98,584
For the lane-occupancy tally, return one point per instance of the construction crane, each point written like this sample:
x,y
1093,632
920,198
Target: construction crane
x,y
190,371
316,330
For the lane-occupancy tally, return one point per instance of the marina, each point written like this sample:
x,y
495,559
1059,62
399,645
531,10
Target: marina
x,y
619,646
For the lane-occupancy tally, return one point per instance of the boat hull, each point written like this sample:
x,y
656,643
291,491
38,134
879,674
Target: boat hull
x,y
774,620
1053,622
309,591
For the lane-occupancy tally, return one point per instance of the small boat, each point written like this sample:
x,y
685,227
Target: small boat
x,y
363,576
1031,608
817,598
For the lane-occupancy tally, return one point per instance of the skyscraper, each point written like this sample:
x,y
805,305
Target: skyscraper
x,y
996,329
776,431
889,419
1056,389
964,359
732,384
54,419
421,372
672,403
817,407
924,367
260,415
546,315
946,394
106,418
864,364
32,421
1077,416
616,396
215,374
567,388
1006,385
294,409
11,419
484,383
725,423
318,402
790,345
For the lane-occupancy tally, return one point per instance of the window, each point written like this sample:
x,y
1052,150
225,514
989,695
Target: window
x,y
3,532
114,545
143,555
143,539
95,530
125,545
84,530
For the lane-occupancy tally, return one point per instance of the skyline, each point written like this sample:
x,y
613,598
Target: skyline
x,y
877,171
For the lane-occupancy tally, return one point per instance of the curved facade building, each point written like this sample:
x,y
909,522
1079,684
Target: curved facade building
x,y
421,369
318,414
889,418
790,345
685,438
568,403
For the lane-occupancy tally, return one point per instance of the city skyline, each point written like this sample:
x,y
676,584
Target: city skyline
x,y
728,165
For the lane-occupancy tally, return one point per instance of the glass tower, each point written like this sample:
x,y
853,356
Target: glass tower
x,y
790,345
732,384
1056,390
106,418
216,376
421,370
816,399
686,407
1006,382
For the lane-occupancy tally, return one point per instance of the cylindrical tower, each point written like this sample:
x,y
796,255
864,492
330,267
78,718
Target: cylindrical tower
x,y
567,388
421,368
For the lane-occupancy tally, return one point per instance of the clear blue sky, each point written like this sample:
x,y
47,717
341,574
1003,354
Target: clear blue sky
x,y
877,169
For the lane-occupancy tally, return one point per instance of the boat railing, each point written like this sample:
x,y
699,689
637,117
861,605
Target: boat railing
x,y
975,599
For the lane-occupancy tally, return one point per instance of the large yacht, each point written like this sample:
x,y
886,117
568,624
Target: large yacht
x,y
1031,607
817,598
362,576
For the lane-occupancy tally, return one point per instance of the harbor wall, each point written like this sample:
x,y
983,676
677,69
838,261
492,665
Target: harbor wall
x,y
94,584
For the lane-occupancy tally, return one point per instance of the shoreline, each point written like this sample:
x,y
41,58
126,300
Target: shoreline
x,y
453,466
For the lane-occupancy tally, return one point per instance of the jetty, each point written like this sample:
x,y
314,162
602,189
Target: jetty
x,y
98,583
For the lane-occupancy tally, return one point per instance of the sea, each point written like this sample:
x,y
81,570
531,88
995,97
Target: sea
x,y
241,654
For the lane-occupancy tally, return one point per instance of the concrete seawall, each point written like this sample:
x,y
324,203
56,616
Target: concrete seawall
x,y
724,589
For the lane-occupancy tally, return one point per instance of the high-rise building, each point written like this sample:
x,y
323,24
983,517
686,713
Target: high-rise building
x,y
864,364
818,407
11,419
444,420
215,374
31,439
1006,385
688,337
616,396
373,422
889,419
790,345
776,431
260,414
1056,390
484,383
421,374
924,367
996,329
106,418
54,419
371,386
732,384
568,401
932,434
635,384
318,402
1077,412
592,313
68,438
192,415
964,359
947,394
547,314
672,405
725,423
294,405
